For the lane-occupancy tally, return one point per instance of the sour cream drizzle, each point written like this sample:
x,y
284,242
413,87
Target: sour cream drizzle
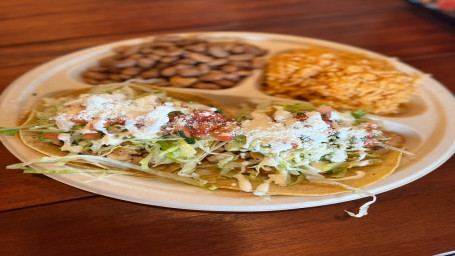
x,y
358,175
244,184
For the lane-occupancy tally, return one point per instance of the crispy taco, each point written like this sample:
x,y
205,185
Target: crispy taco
x,y
271,148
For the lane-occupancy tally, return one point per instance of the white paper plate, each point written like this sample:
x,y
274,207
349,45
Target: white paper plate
x,y
427,127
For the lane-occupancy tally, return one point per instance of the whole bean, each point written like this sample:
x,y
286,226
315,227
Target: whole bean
x,y
171,71
225,83
200,57
153,56
232,76
146,50
175,52
106,62
187,61
151,73
188,41
182,66
204,68
114,70
229,68
254,50
218,51
131,71
213,76
159,52
178,81
136,56
125,77
190,72
115,77
228,46
131,50
146,63
162,65
217,62
168,59
197,48
238,49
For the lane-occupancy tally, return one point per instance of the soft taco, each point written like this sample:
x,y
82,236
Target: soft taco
x,y
271,148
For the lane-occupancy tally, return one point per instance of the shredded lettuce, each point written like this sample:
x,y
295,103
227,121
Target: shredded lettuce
x,y
298,107
363,210
359,113
62,161
186,150
9,131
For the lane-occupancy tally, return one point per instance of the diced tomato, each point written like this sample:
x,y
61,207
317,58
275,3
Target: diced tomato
x,y
300,118
91,136
78,121
223,137
117,121
294,145
204,116
113,129
327,121
204,128
371,126
92,128
50,136
223,133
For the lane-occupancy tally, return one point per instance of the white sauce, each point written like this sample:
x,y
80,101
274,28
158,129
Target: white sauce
x,y
66,138
338,156
279,179
262,189
64,124
244,184
364,163
358,175
111,139
265,135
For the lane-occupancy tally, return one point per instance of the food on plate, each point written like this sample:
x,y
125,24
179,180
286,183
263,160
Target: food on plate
x,y
277,148
182,61
342,79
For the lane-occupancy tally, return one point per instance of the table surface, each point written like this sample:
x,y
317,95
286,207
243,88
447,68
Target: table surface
x,y
40,216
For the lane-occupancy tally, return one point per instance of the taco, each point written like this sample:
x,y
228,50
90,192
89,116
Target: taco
x,y
298,149
273,148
